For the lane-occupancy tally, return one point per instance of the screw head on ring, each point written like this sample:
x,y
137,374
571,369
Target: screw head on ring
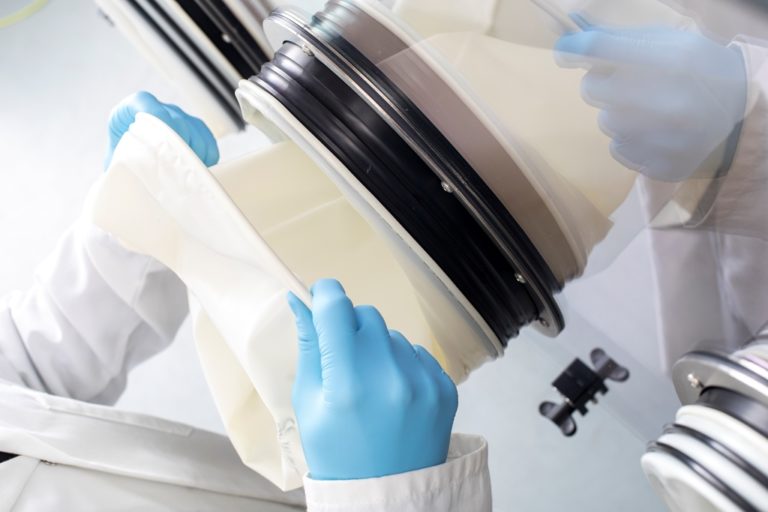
x,y
694,381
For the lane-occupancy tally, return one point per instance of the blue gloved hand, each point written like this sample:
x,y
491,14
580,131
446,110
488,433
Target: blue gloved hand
x,y
368,403
193,130
672,101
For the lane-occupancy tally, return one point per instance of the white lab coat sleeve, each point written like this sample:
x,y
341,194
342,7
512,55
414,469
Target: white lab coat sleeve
x,y
739,205
94,311
462,484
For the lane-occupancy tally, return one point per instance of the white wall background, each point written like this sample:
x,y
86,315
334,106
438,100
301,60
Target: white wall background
x,y
60,73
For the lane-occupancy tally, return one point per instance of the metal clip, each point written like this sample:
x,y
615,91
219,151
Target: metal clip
x,y
579,384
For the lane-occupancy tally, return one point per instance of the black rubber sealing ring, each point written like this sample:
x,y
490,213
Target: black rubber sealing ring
x,y
239,36
214,19
467,177
6,456
705,475
403,183
733,457
748,411
227,104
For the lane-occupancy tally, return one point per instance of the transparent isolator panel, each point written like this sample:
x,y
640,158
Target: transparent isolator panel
x,y
563,194
581,178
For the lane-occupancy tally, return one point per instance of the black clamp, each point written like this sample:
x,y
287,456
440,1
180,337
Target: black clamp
x,y
579,384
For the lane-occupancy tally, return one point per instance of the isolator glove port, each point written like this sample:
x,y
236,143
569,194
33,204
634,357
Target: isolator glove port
x,y
368,403
193,130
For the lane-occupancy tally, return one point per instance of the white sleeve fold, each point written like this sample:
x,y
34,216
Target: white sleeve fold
x,y
95,311
462,484
738,208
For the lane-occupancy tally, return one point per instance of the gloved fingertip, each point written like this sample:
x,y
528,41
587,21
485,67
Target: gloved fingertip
x,y
421,351
327,286
210,147
427,359
369,317
568,51
175,108
308,364
147,102
401,346
108,158
581,21
305,326
333,312
204,130
145,96
297,306
213,154
586,49
395,334
449,392
568,43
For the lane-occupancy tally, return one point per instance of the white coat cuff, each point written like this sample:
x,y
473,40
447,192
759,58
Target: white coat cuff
x,y
462,483
731,209
750,152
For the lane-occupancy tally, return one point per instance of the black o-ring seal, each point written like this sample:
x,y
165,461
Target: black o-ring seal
x,y
726,452
741,407
704,474
214,18
452,161
326,34
217,84
7,456
385,164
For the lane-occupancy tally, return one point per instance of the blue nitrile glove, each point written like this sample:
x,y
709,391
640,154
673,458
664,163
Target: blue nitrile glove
x,y
368,403
672,101
193,130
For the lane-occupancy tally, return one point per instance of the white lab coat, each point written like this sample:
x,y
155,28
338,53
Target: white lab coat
x,y
81,457
712,280
95,311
